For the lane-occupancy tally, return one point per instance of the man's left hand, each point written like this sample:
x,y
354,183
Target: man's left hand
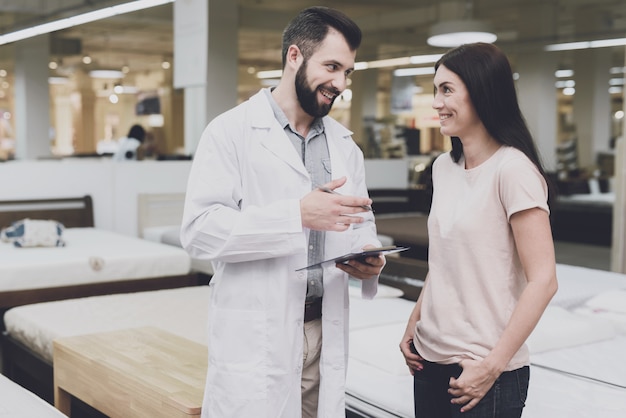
x,y
364,269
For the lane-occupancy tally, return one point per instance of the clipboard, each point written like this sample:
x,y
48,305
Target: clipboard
x,y
390,249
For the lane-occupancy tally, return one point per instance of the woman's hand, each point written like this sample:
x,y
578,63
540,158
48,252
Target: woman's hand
x,y
472,385
413,360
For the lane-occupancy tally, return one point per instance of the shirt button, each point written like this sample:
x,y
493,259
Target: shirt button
x,y
310,247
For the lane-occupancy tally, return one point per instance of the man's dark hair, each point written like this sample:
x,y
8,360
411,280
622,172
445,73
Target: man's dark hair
x,y
310,27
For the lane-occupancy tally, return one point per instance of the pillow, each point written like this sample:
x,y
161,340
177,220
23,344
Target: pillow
x,y
559,328
34,233
611,301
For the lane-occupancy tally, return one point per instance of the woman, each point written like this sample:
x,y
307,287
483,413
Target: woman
x,y
491,260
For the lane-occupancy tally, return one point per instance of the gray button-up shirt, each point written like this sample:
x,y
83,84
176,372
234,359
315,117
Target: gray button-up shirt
x,y
313,150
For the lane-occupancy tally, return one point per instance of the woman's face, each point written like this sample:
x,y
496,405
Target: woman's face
x,y
457,115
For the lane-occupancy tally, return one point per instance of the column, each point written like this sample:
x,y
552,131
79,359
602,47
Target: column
x,y
538,101
84,139
592,103
205,61
363,106
32,106
618,245
535,88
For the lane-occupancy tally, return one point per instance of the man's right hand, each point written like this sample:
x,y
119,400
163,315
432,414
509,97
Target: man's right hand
x,y
324,211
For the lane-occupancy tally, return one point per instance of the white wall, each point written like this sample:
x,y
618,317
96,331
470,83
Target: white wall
x,y
115,186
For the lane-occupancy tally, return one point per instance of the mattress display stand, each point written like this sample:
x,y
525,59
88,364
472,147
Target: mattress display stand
x,y
138,372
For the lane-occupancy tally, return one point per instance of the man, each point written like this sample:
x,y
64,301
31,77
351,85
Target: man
x,y
255,206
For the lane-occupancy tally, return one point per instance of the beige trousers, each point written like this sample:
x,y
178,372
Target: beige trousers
x,y
311,367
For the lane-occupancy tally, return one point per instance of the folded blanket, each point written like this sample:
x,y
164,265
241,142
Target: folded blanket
x,y
34,233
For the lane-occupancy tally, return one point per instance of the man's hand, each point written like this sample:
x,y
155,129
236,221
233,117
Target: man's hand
x,y
366,268
324,211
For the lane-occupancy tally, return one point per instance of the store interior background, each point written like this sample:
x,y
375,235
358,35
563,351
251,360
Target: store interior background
x,y
52,108
140,45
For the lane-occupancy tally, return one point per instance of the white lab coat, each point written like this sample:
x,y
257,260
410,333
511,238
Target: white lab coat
x,y
242,211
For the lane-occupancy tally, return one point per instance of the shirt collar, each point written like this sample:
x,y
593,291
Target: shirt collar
x,y
317,127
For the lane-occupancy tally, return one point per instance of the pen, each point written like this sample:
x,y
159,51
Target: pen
x,y
331,191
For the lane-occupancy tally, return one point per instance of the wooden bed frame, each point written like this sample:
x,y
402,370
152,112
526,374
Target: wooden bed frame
x,y
19,363
75,212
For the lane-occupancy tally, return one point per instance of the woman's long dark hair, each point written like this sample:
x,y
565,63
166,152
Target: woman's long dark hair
x,y
487,75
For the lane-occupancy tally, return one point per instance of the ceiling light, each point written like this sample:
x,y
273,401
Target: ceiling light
x,y
106,74
80,19
58,80
453,33
601,43
404,72
269,74
564,73
569,91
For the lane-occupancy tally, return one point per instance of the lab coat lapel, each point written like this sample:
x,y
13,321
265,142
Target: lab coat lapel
x,y
271,135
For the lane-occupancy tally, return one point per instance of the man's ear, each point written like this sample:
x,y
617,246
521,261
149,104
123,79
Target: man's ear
x,y
294,55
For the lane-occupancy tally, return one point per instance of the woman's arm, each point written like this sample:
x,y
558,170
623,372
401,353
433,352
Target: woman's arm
x,y
412,360
533,238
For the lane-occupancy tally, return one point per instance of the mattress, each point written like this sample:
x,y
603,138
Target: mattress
x,y
579,284
170,235
17,402
576,352
181,311
89,256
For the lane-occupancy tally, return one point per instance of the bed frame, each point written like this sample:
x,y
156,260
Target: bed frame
x,y
75,212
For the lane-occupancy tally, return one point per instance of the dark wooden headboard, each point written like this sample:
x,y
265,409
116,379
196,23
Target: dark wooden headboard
x,y
73,212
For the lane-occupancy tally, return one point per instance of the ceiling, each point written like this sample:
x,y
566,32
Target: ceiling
x,y
391,28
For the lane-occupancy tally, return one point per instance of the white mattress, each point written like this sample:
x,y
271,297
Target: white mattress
x,y
90,256
181,311
170,235
17,402
378,380
579,284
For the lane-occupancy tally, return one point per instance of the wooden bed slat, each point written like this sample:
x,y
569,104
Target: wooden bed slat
x,y
73,212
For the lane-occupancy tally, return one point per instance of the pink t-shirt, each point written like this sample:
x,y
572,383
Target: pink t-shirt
x,y
475,275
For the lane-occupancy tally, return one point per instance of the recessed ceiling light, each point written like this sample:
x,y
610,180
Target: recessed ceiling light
x,y
453,33
106,74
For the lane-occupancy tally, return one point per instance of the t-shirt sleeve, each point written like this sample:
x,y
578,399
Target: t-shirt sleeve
x,y
522,187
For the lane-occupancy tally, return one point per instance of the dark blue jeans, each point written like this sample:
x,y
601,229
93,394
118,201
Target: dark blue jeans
x,y
505,399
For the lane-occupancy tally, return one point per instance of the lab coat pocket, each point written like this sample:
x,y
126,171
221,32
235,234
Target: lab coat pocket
x,y
240,349
240,335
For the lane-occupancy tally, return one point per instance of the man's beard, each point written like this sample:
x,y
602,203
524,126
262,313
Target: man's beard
x,y
308,97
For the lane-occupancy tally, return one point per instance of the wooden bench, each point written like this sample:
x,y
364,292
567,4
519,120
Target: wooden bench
x,y
138,372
